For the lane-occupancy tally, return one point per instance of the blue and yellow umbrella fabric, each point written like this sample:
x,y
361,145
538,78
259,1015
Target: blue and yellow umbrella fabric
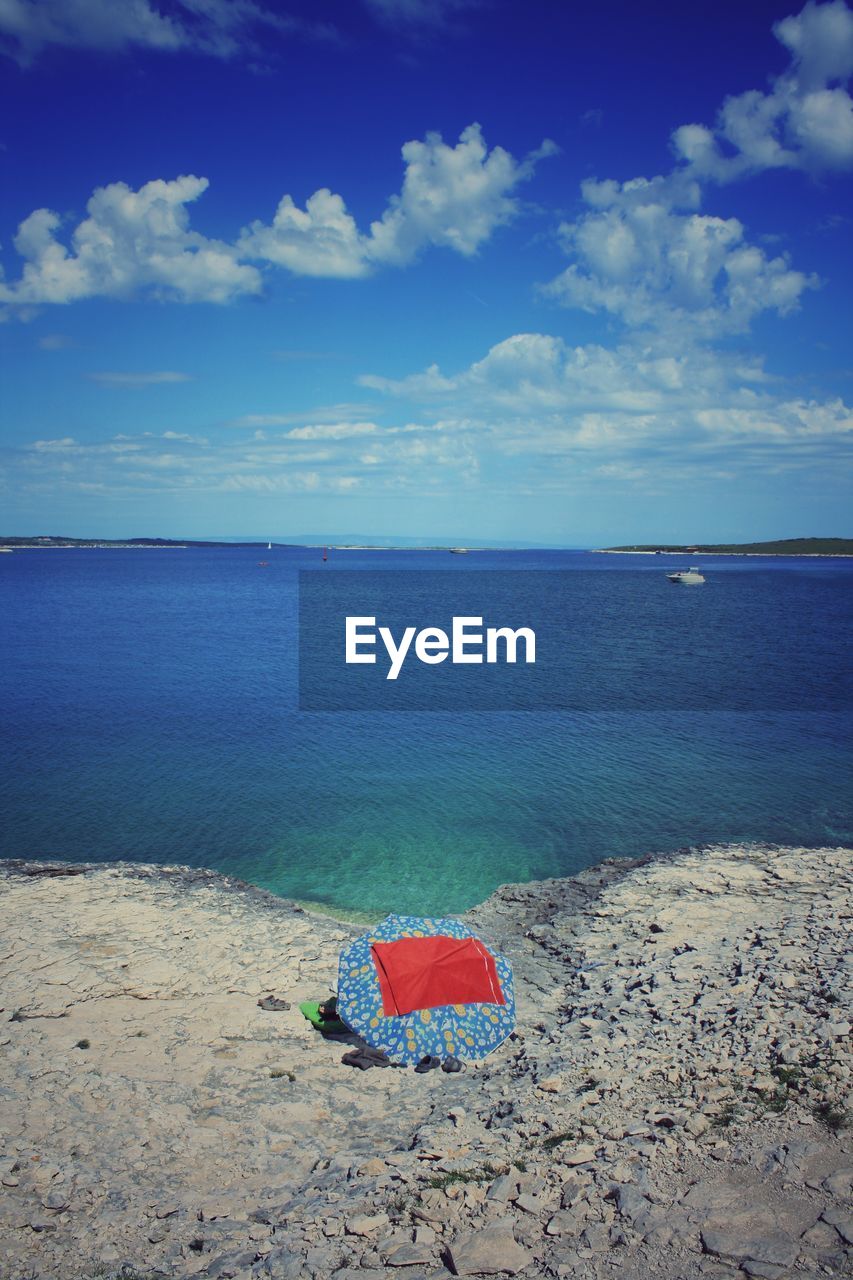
x,y
469,1028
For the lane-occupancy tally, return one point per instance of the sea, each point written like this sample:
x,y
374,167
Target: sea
x,y
150,712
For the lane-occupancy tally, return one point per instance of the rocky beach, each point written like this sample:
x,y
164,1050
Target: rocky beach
x,y
674,1103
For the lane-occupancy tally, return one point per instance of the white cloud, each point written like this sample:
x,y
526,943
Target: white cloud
x,y
332,431
140,242
216,28
136,380
804,122
786,419
131,242
63,445
637,257
320,240
533,415
452,197
184,437
530,374
554,409
288,482
332,414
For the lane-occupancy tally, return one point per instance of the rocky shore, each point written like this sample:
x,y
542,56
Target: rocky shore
x,y
675,1102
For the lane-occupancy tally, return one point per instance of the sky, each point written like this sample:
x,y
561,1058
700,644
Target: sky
x,y
444,269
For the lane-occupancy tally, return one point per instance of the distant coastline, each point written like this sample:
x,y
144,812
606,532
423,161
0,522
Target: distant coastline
x,y
56,542
801,547
784,547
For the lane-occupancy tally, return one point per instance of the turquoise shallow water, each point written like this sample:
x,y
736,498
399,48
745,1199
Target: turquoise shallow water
x,y
149,713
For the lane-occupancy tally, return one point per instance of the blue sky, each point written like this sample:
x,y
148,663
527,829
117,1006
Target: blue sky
x,y
435,268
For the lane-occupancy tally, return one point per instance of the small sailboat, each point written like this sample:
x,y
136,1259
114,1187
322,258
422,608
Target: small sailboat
x,y
269,546
325,556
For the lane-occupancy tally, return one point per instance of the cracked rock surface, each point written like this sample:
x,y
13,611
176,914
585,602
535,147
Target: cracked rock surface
x,y
674,1103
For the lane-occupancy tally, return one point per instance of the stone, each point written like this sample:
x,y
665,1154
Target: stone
x,y
230,1265
562,1223
365,1224
282,1264
528,1203
709,1197
583,1154
630,1202
503,1188
697,1124
56,1201
668,1119
408,1255
232,1209
842,1221
839,1183
490,1251
820,1236
596,1236
772,1246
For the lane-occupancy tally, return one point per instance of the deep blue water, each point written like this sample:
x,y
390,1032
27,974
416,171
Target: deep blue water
x,y
149,700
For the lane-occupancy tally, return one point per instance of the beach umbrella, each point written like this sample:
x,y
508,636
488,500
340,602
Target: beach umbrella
x,y
415,987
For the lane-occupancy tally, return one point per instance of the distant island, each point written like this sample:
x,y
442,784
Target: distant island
x,y
784,547
57,540
35,543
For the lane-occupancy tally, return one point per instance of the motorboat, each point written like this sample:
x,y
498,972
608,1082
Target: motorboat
x,y
687,577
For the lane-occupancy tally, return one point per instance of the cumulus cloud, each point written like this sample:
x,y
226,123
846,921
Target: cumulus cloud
x,y
216,28
140,243
320,240
639,257
453,197
804,122
132,242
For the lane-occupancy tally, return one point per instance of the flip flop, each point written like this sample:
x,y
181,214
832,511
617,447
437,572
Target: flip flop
x,y
429,1063
364,1059
452,1064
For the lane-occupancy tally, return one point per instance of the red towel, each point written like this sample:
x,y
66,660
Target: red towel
x,y
426,973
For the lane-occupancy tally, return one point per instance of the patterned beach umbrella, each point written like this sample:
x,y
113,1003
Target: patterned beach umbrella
x,y
415,986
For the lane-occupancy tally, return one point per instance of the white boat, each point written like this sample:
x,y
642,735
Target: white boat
x,y
459,551
269,546
687,577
